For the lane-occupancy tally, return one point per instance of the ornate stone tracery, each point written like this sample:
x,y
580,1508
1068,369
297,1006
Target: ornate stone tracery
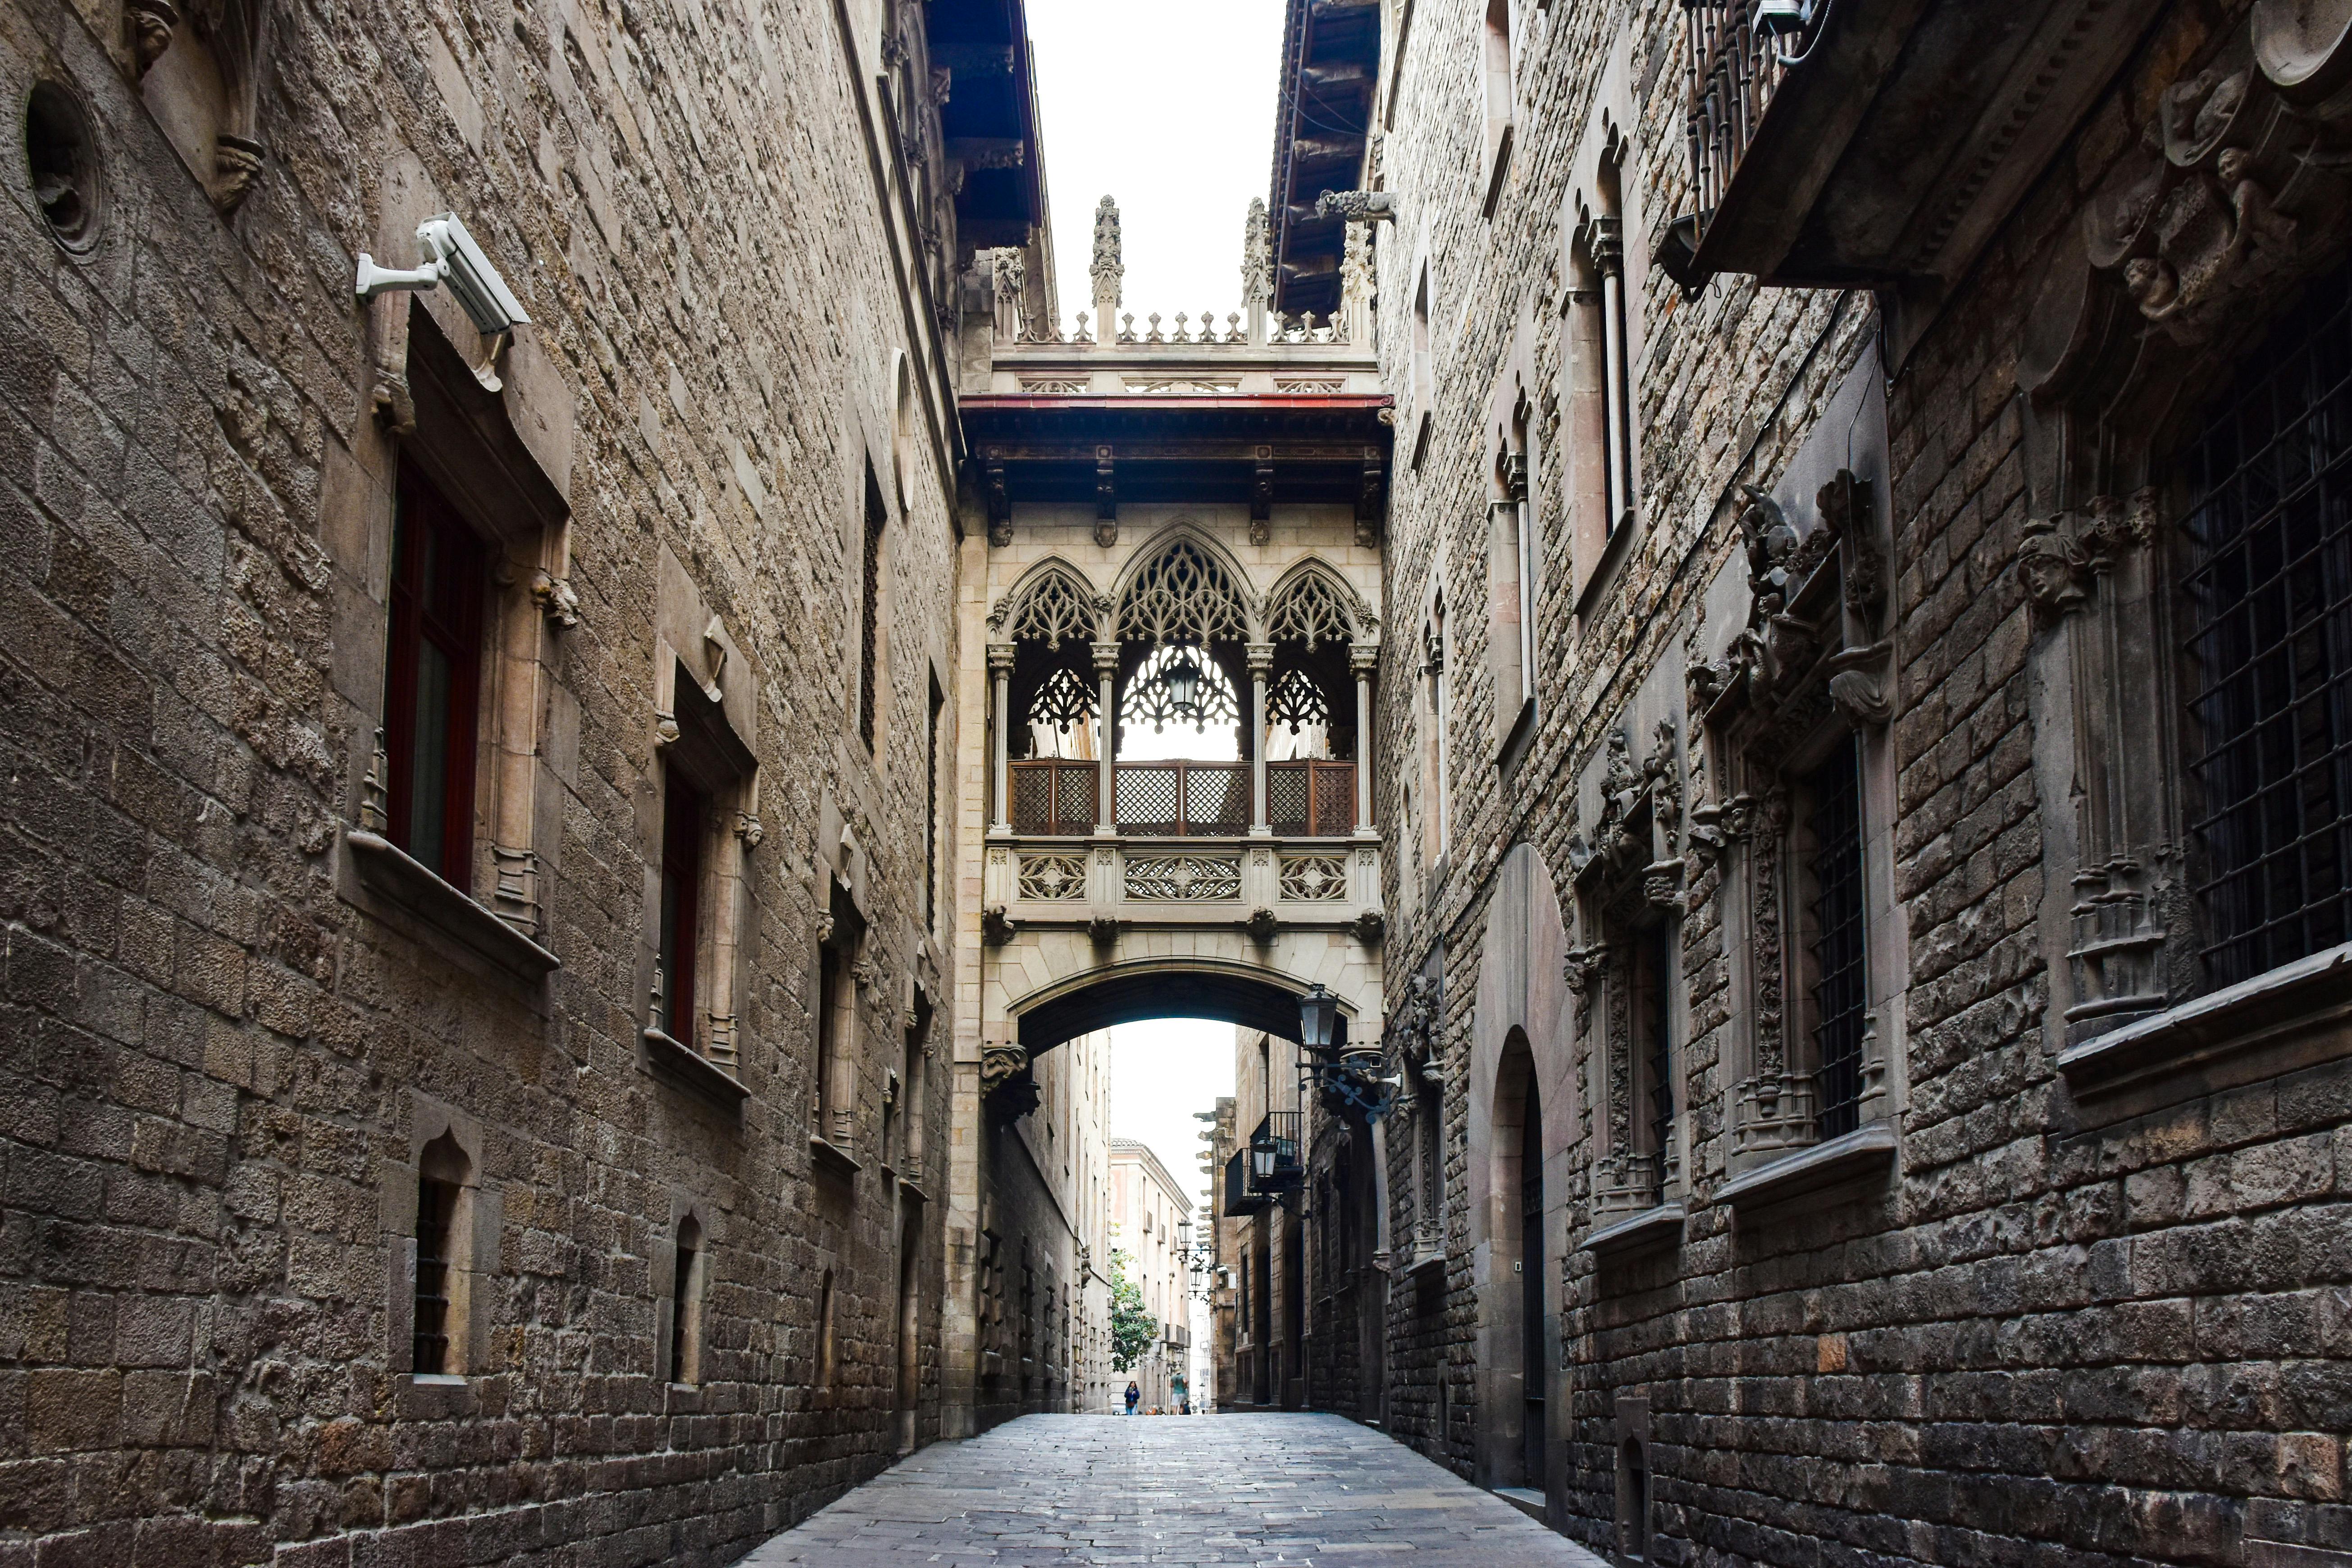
x,y
1183,595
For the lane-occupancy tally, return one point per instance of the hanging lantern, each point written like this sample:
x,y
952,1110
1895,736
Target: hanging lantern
x,y
1778,18
1183,675
1318,1010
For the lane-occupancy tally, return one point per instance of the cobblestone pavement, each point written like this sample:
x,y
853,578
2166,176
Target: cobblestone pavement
x,y
1319,1491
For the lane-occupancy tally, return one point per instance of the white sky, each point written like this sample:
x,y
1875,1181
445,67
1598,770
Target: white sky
x,y
1168,109
1161,1073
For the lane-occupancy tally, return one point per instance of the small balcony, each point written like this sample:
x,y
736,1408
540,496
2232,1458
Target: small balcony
x,y
1845,144
1058,798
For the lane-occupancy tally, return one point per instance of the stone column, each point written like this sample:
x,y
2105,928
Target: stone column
x,y
1261,665
1609,256
1107,737
1362,659
1000,668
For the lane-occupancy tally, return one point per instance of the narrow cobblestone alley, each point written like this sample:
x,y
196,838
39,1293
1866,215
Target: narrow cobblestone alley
x,y
1306,1489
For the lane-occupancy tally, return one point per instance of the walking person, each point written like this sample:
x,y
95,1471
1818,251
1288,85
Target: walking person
x,y
1134,1397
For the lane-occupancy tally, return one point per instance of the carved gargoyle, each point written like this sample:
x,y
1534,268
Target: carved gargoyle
x,y
1262,925
1369,927
1357,207
1000,1064
556,600
997,928
1102,930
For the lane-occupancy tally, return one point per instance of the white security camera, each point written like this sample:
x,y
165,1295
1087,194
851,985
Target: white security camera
x,y
451,257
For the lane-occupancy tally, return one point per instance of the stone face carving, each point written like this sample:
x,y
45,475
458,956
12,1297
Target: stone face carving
x,y
997,928
150,24
2060,559
1368,927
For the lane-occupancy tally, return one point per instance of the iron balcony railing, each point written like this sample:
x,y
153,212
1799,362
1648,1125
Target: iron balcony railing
x,y
1304,799
1739,54
1242,1199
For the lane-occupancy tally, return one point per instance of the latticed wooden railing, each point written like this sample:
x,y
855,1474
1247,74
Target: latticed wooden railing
x,y
1304,799
1735,67
1311,800
1053,798
1182,797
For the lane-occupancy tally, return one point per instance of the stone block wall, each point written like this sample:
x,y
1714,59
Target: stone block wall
x,y
217,1056
2054,1333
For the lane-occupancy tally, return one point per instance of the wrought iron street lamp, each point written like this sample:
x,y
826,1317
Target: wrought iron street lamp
x,y
1318,1012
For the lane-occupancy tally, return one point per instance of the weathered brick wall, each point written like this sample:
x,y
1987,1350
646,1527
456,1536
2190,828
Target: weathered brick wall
x,y
2039,1339
207,1057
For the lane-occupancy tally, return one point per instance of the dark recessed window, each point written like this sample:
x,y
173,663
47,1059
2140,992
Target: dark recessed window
x,y
1656,1001
436,1204
1839,993
62,158
2270,587
433,680
684,816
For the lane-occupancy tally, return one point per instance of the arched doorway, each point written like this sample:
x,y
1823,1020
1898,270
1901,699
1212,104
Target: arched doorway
x,y
1517,1416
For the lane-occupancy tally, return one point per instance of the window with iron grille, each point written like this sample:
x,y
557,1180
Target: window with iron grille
x,y
1836,917
436,1203
2269,527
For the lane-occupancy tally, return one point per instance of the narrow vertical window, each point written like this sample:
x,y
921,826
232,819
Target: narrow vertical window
x,y
1839,988
824,1340
1424,370
433,673
1496,62
828,1036
932,808
436,1207
869,619
684,815
685,1305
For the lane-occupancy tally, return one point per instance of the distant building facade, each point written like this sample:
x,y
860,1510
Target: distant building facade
x,y
1150,1217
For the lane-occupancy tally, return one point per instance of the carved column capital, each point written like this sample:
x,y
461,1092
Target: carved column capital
x,y
1000,657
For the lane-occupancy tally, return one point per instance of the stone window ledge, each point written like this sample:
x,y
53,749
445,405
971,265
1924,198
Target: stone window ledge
x,y
2293,1017
393,874
434,1396
830,1157
1653,1227
676,1059
914,1190
1423,1258
1866,1151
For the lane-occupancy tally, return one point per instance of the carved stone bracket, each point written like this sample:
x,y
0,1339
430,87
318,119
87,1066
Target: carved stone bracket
x,y
749,829
1369,927
1357,207
997,928
1582,967
1102,930
1262,925
1000,1064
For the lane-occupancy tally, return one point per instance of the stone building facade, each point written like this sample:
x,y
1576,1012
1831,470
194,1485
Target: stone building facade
x,y
1152,1222
1862,789
479,867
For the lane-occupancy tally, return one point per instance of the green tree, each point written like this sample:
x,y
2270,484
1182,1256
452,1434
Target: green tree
x,y
1132,1329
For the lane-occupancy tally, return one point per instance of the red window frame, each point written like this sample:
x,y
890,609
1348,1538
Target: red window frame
x,y
683,814
437,604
